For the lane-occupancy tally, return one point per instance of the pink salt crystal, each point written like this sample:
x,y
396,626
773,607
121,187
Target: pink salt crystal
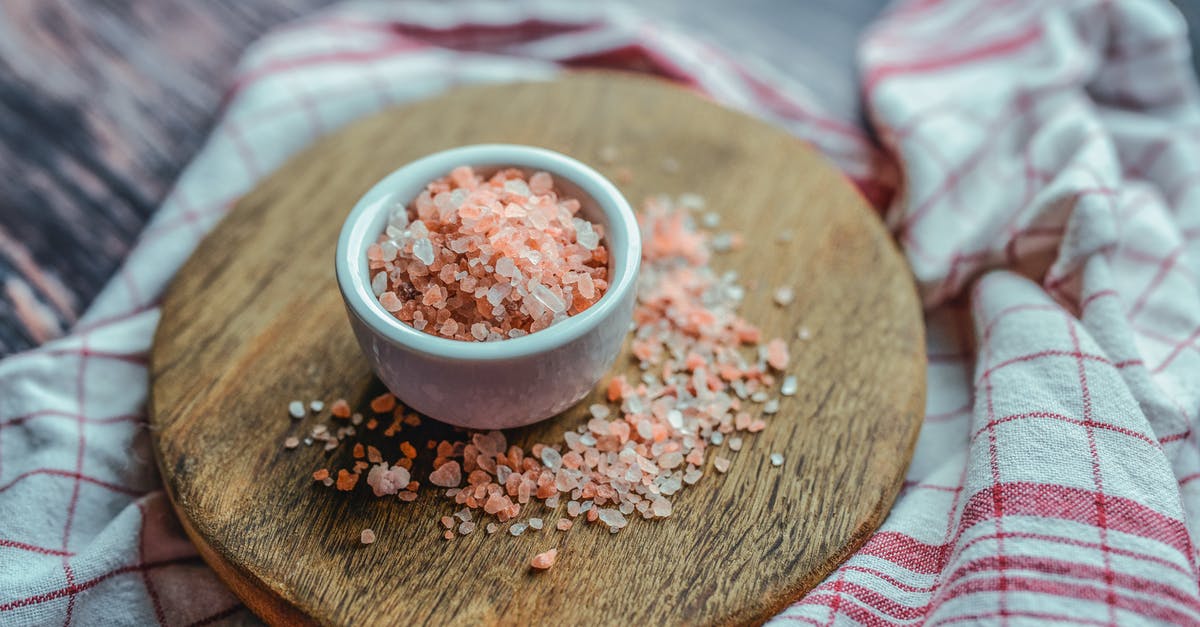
x,y
291,442
367,536
564,524
777,354
448,475
543,561
384,480
407,496
721,464
471,241
466,527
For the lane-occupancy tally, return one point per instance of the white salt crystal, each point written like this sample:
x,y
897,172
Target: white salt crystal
x,y
784,296
498,292
379,283
585,235
316,406
548,298
776,459
718,438
551,458
675,417
296,409
691,201
423,250
613,518
516,186
389,249
536,523
711,219
735,443
599,411
771,407
518,528
661,507
789,386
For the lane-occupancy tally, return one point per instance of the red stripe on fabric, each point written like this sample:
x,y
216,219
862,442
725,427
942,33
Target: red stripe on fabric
x,y
948,415
1073,590
1179,348
993,50
150,590
80,395
54,413
73,589
1075,421
1164,269
13,544
1034,500
635,58
992,616
70,475
1047,353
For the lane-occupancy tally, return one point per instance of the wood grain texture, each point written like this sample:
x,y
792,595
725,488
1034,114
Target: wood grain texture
x,y
254,319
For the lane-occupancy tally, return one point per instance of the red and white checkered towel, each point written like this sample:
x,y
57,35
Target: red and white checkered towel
x,y
1042,162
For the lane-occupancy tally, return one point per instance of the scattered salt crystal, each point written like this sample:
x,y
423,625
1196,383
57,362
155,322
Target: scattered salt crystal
x,y
564,524
776,459
612,518
379,283
316,406
721,464
518,528
551,458
291,442
735,444
771,407
760,397
784,296
599,411
789,386
463,514
803,333
296,409
543,561
711,219
717,438
367,536
447,522
466,527
661,507
536,523
491,528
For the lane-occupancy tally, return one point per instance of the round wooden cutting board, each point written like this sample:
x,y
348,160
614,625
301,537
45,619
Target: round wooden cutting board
x,y
254,320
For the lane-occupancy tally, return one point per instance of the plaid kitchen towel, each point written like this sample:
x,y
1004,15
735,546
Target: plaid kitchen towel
x,y
1038,162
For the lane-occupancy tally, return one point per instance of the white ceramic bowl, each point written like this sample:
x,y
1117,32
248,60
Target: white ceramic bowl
x,y
513,382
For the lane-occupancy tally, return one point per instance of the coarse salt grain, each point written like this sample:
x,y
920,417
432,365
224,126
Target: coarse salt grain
x,y
291,442
776,459
543,561
784,296
367,536
486,258
789,386
296,409
316,406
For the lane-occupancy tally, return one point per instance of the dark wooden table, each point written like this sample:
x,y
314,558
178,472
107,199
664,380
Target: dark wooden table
x,y
103,101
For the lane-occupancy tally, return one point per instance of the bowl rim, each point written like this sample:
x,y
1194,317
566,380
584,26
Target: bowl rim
x,y
408,180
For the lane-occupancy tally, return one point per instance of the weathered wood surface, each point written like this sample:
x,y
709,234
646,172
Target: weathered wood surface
x,y
255,319
102,103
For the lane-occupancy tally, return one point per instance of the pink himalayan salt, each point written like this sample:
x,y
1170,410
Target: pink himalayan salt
x,y
477,259
630,458
543,561
367,536
448,475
